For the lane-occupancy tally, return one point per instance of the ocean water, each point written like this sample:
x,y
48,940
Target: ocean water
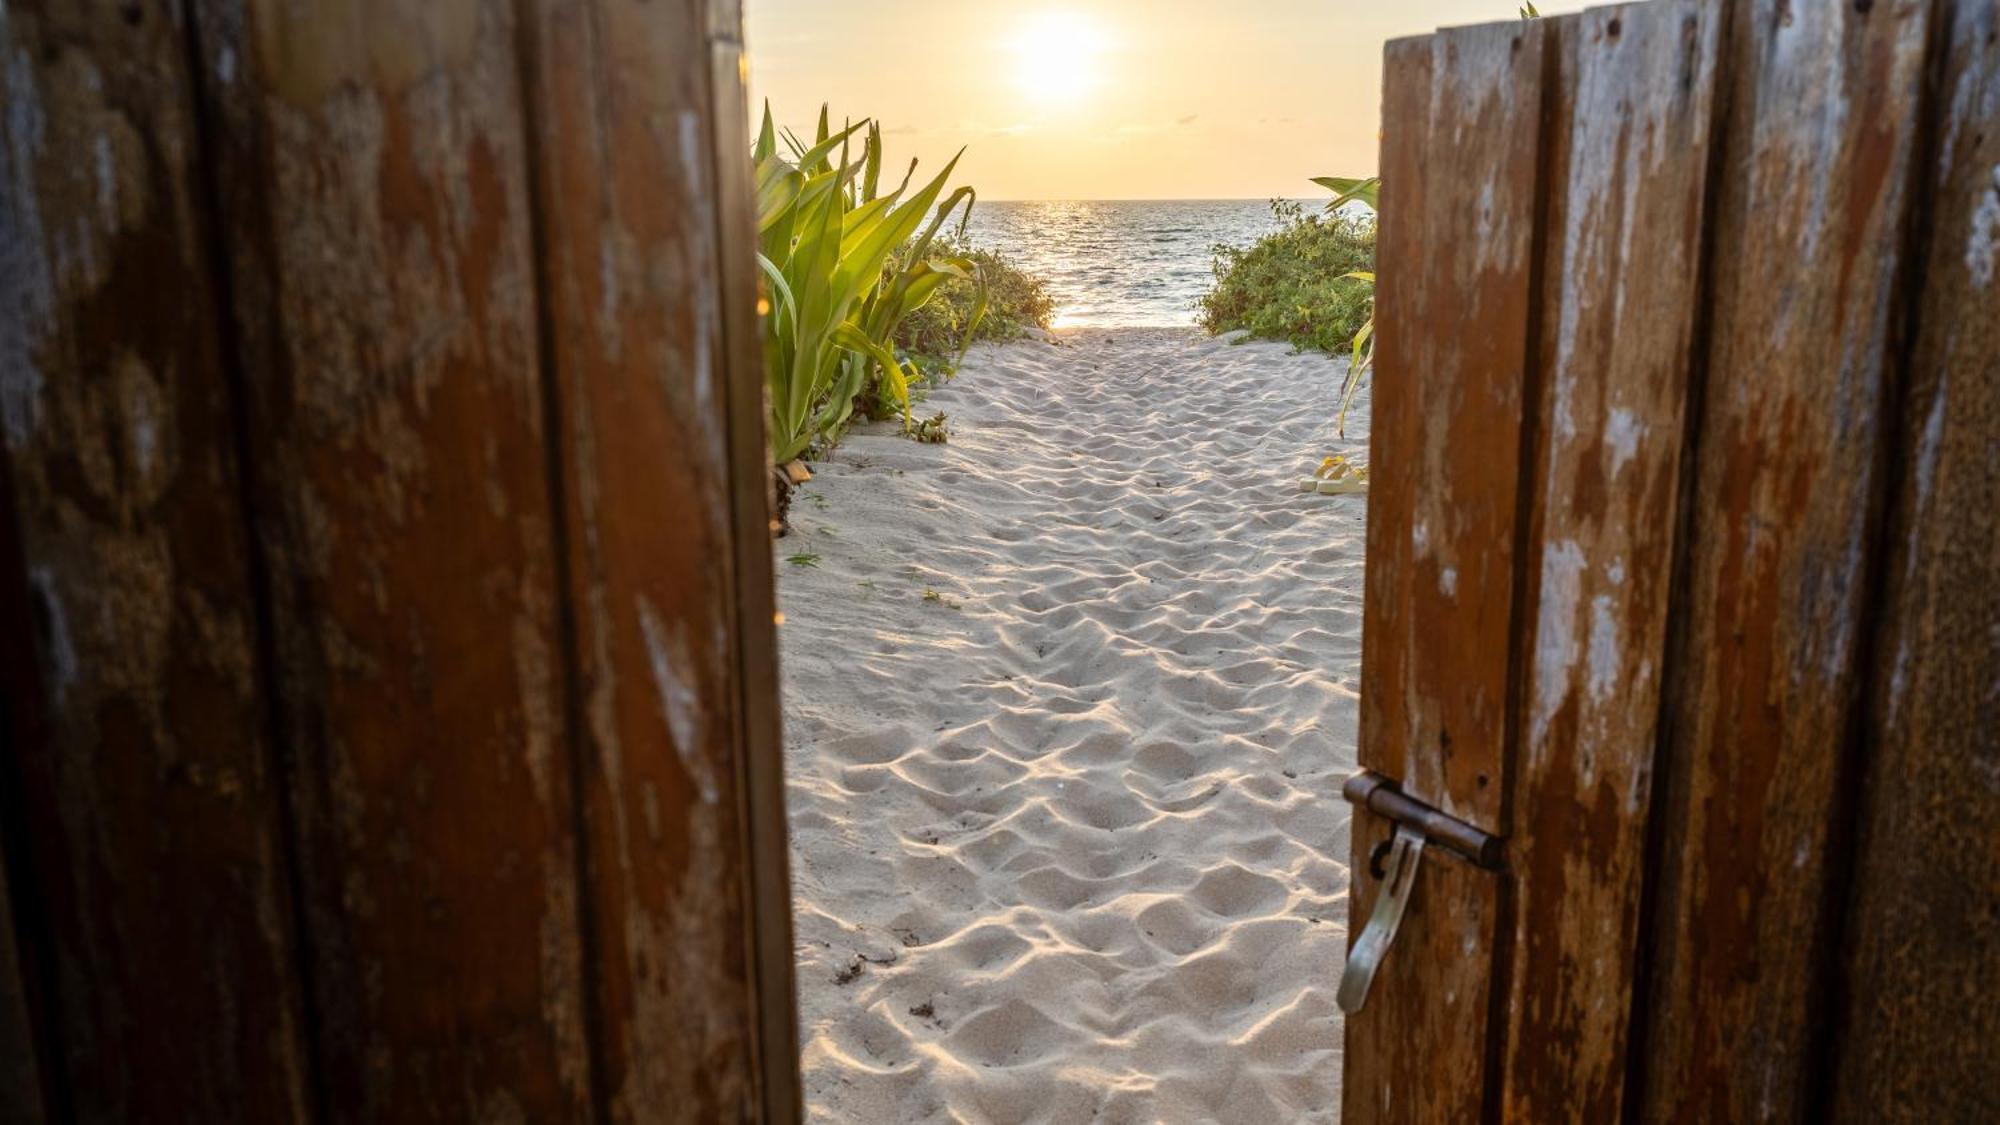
x,y
1118,263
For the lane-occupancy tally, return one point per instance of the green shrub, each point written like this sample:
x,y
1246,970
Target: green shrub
x,y
1015,302
934,337
1291,284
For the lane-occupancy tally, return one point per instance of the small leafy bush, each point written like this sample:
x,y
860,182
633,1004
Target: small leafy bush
x,y
1292,284
933,338
935,430
1015,302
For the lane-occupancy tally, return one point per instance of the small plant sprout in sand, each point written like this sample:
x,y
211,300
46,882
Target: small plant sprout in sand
x,y
934,430
803,559
931,595
1368,192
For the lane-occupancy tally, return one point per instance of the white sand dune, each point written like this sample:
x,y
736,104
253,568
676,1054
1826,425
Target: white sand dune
x,y
1068,705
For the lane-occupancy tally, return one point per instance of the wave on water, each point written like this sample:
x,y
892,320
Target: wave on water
x,y
1121,263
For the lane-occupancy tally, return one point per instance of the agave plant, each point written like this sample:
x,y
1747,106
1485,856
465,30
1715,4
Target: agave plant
x,y
911,277
844,263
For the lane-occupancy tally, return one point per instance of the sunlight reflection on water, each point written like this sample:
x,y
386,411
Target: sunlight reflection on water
x,y
1116,263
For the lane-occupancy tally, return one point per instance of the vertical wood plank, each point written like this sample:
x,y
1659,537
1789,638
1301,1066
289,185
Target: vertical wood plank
x,y
1628,160
137,745
761,762
372,165
1461,127
624,122
1919,1030
1810,229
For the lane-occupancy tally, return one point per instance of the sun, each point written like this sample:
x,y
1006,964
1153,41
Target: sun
x,y
1059,57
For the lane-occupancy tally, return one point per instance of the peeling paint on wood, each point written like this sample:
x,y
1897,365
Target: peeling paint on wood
x,y
620,103
1627,152
1810,234
1460,108
1923,962
371,161
674,678
497,576
136,749
1982,239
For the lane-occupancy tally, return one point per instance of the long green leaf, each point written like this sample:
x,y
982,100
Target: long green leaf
x,y
781,290
844,263
1357,371
814,160
1347,190
767,137
849,335
871,179
778,188
864,264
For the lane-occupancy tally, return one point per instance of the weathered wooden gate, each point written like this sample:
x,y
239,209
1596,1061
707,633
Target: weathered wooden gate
x,y
387,681
1684,569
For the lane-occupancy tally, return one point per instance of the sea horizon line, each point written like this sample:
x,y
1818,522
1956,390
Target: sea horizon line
x,y
1159,199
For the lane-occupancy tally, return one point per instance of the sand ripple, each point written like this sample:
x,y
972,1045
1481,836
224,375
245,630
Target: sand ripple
x,y
1068,840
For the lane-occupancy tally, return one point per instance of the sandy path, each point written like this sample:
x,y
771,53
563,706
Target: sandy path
x,y
1068,704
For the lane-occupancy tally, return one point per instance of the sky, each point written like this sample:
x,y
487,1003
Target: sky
x,y
1102,99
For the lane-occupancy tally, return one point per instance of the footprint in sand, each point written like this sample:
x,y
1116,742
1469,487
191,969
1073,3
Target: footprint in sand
x,y
1094,813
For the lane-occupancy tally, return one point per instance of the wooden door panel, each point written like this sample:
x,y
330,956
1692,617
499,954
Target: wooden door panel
x,y
1459,108
385,615
643,387
1748,634
1923,966
1626,151
383,279
148,863
1810,232
760,763
1462,114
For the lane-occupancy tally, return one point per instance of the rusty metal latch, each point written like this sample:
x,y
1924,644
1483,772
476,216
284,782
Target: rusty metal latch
x,y
1417,824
